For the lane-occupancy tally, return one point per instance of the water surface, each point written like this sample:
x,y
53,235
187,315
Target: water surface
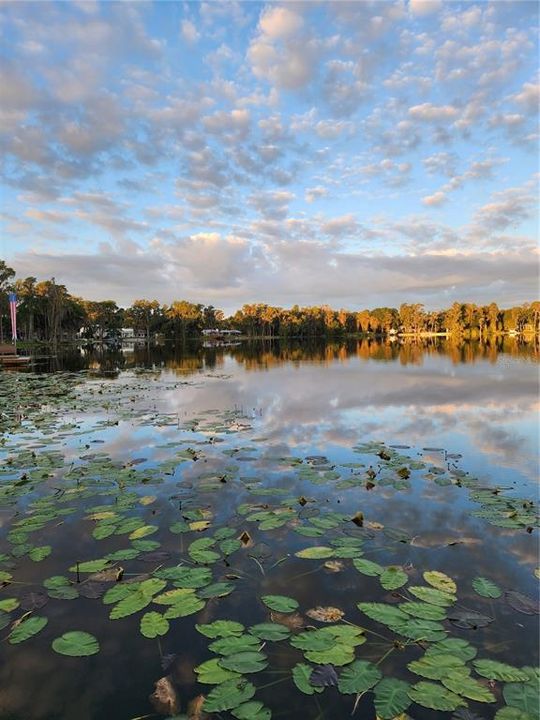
x,y
269,424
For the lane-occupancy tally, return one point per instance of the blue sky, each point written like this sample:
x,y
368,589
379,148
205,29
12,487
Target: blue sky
x,y
349,153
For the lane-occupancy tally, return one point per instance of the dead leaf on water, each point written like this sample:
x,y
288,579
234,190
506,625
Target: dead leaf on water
x,y
165,698
334,566
327,614
294,621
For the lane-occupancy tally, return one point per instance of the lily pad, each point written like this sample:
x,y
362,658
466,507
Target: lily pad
x,y
358,677
27,629
228,695
391,698
435,697
76,643
153,625
280,603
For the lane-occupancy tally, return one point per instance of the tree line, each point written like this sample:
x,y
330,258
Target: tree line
x,y
47,311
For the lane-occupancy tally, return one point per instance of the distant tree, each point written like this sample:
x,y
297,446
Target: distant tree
x,y
143,315
186,317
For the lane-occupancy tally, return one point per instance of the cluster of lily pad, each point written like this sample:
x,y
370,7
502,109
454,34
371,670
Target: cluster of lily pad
x,y
44,486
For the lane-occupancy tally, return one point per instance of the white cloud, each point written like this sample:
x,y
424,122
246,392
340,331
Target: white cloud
x,y
189,32
279,23
424,7
438,198
433,113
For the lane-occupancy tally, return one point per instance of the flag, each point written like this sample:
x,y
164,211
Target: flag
x,y
13,312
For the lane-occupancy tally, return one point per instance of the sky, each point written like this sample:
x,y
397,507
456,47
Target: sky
x,y
355,154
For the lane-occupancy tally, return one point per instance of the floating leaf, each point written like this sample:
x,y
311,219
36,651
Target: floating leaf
x,y
433,596
523,696
91,566
270,631
453,646
425,611
416,629
522,603
244,662
301,674
435,666
468,619
211,673
336,655
391,698
393,578
367,567
27,629
186,577
235,644
358,677
38,554
499,671
76,643
317,552
153,624
228,695
280,603
486,588
219,589
186,605
221,628
468,687
440,581
385,614
435,697
324,676
8,604
143,532
511,713
253,710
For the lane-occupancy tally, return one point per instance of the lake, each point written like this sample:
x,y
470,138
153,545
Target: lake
x,y
366,511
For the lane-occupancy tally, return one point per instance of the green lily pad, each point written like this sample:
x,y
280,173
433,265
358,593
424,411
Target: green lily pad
x,y
228,695
76,643
367,567
499,671
468,687
435,697
211,673
235,644
359,677
280,603
253,710
486,588
221,628
301,674
270,631
433,596
27,629
317,552
391,698
248,661
393,578
38,554
153,625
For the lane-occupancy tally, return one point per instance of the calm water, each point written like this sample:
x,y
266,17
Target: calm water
x,y
246,411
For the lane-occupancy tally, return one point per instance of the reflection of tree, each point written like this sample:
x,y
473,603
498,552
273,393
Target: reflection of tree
x,y
266,354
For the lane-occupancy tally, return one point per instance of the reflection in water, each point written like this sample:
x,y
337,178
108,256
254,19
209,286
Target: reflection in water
x,y
265,354
476,400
